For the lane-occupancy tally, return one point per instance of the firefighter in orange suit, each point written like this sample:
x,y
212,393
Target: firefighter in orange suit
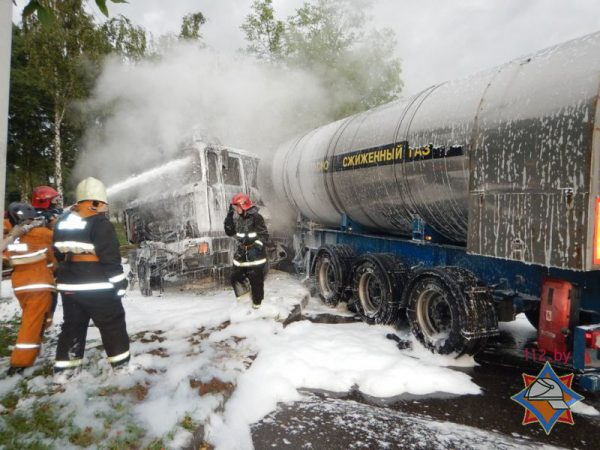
x,y
46,201
33,261
6,269
90,279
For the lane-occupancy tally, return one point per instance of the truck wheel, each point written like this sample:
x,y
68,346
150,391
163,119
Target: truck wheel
x,y
377,284
449,312
332,268
144,274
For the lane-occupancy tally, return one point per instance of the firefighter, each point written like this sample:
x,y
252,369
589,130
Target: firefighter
x,y
250,259
46,201
90,279
30,254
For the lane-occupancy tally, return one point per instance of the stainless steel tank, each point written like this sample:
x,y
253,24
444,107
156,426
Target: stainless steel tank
x,y
501,160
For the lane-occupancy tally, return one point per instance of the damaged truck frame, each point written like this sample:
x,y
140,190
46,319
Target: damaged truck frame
x,y
174,214
462,206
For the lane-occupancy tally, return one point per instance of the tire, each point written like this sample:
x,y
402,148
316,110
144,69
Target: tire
x,y
378,281
449,312
332,271
144,274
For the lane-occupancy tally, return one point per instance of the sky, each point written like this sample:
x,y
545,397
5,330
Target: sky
x,y
438,40
180,340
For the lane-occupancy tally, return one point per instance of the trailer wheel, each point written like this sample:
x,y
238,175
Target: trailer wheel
x,y
331,269
144,273
377,284
449,312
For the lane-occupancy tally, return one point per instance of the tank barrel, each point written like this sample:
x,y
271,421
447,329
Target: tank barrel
x,y
491,162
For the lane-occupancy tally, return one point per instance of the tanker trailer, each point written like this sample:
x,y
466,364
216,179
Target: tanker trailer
x,y
462,205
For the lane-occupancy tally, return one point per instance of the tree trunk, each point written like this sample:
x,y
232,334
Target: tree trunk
x,y
58,118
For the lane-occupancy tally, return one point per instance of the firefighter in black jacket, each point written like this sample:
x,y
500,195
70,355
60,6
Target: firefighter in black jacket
x,y
90,279
250,259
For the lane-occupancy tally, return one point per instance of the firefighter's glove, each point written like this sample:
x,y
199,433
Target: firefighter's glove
x,y
121,287
228,223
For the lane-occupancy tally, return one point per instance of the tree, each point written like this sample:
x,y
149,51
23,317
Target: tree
x,y
45,13
330,38
190,26
125,38
263,32
66,54
29,157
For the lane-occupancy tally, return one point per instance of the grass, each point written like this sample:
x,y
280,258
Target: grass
x,y
126,439
40,423
188,424
8,335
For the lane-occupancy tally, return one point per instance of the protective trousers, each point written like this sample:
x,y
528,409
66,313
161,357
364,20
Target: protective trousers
x,y
255,275
36,306
106,310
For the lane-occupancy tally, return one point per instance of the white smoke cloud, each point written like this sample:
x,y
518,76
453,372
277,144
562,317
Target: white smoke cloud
x,y
233,99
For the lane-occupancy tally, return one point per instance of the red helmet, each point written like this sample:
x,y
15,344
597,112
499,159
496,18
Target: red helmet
x,y
43,197
242,200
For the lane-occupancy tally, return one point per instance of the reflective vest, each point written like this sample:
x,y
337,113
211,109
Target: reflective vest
x,y
33,261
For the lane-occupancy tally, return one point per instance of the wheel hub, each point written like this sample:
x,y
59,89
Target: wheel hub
x,y
370,294
434,314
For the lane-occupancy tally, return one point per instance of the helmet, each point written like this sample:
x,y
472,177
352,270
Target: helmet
x,y
43,197
242,200
90,189
19,212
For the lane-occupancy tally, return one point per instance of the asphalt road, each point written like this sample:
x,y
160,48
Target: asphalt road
x,y
326,420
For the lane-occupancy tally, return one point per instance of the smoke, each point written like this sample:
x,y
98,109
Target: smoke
x,y
150,107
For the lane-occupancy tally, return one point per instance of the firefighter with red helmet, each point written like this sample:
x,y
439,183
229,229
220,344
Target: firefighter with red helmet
x,y
90,279
46,201
29,251
250,259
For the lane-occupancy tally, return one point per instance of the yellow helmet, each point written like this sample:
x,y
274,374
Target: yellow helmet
x,y
91,189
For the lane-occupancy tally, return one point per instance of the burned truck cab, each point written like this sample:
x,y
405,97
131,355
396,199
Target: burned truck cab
x,y
174,214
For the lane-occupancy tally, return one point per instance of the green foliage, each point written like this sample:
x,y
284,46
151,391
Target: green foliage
x,y
263,32
125,38
29,131
190,26
45,14
55,65
65,57
331,39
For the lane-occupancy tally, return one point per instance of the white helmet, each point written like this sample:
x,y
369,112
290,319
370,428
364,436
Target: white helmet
x,y
91,189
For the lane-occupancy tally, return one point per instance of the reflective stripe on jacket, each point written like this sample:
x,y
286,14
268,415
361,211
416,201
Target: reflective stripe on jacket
x,y
252,234
76,239
31,255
